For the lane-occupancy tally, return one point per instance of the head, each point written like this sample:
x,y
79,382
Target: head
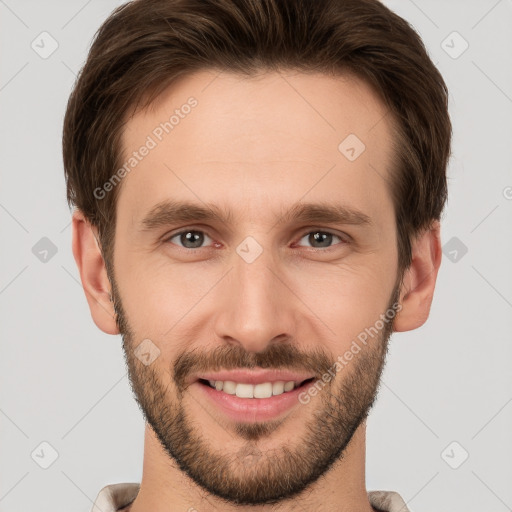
x,y
304,147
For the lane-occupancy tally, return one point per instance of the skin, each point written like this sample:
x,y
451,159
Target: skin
x,y
257,147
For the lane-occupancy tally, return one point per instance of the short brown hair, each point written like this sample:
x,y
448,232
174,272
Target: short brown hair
x,y
145,45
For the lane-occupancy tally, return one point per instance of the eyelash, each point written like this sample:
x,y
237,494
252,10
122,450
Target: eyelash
x,y
344,239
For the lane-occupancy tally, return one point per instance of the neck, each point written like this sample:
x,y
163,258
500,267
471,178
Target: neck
x,y
165,487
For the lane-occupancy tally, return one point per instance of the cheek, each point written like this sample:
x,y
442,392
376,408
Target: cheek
x,y
345,300
160,298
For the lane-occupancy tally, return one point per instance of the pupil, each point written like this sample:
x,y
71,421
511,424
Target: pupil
x,y
318,236
196,239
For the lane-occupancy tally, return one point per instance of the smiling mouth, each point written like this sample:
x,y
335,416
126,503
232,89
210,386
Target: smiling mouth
x,y
255,391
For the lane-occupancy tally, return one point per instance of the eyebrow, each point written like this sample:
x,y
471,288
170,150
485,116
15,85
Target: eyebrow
x,y
171,211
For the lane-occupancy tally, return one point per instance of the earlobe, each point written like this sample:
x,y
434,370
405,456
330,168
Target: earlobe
x,y
93,273
419,280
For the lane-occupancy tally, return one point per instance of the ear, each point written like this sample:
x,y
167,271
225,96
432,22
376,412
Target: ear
x,y
93,273
419,280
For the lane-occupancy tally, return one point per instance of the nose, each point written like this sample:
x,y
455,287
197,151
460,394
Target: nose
x,y
256,305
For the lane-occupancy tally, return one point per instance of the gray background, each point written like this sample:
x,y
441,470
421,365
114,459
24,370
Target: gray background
x,y
447,387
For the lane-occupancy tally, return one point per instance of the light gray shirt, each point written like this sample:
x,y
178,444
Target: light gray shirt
x,y
116,496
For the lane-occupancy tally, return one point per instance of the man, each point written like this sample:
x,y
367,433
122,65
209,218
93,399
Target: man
x,y
258,188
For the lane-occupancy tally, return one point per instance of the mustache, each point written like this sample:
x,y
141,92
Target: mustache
x,y
231,357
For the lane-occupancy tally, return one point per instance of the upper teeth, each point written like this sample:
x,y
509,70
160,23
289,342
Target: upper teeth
x,y
263,390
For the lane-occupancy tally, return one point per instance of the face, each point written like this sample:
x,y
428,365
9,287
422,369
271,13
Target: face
x,y
249,249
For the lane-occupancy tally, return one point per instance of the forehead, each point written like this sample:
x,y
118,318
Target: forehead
x,y
258,138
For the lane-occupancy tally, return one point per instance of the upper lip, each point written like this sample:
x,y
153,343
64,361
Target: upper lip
x,y
254,376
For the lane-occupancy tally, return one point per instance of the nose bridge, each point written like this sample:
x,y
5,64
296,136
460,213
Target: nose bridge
x,y
258,306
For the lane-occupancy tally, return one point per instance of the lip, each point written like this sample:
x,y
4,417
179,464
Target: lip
x,y
254,376
251,409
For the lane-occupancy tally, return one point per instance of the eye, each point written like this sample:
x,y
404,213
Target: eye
x,y
189,238
195,238
322,239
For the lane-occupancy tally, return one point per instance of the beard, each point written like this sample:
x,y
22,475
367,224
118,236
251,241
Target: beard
x,y
250,476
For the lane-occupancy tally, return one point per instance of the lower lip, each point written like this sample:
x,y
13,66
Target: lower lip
x,y
253,409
